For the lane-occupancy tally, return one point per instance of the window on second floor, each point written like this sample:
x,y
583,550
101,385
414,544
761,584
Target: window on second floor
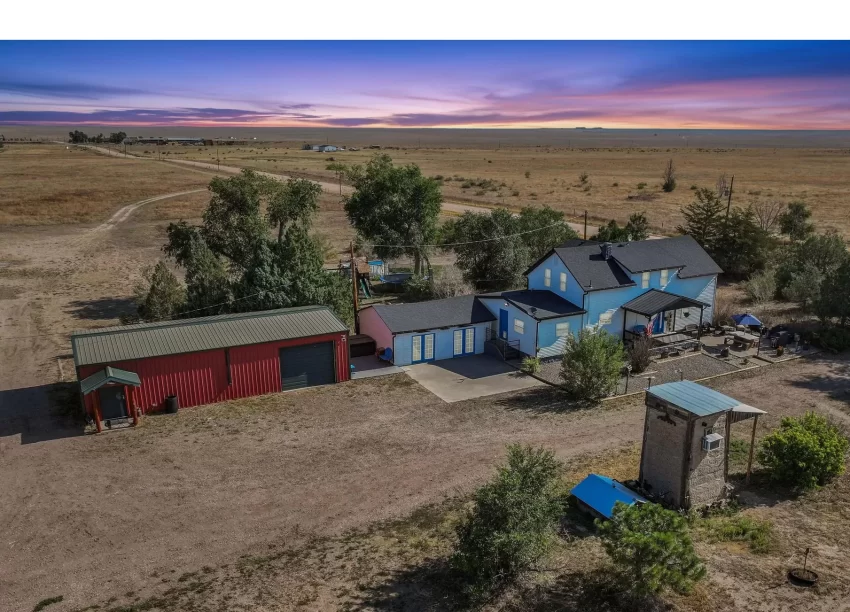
x,y
563,281
664,276
519,326
644,280
547,277
562,329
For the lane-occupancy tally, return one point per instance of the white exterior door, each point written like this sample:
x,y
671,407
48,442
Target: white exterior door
x,y
429,347
417,349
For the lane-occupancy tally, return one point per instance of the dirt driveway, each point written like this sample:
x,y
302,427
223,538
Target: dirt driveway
x,y
89,516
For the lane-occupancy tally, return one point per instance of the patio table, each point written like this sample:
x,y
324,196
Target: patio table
x,y
745,339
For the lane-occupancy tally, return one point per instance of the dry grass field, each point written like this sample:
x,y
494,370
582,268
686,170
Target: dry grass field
x,y
346,497
497,177
51,184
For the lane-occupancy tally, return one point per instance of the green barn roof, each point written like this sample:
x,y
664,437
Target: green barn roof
x,y
126,342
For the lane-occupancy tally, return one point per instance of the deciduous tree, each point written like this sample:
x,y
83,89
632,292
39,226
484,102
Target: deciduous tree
x,y
395,208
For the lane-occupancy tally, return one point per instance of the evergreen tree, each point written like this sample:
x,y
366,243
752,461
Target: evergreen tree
x,y
652,548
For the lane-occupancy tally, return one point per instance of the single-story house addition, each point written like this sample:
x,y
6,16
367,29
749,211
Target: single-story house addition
x,y
130,370
626,288
428,331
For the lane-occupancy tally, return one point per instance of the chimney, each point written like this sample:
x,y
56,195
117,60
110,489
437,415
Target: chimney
x,y
605,247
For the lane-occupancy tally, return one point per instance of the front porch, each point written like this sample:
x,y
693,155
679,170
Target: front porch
x,y
112,404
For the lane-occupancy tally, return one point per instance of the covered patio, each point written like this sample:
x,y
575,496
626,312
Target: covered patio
x,y
671,320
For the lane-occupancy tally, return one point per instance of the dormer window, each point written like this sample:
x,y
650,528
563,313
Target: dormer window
x,y
547,277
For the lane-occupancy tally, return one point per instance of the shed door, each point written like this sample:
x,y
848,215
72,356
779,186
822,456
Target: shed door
x,y
113,404
307,365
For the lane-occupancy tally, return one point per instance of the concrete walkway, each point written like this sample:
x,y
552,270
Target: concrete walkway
x,y
455,380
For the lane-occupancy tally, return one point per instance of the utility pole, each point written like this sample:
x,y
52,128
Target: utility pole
x,y
217,160
585,225
729,201
354,288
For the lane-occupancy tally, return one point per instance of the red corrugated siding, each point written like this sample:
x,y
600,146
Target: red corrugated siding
x,y
201,378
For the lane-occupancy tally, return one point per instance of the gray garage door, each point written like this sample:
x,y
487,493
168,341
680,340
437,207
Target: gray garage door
x,y
307,365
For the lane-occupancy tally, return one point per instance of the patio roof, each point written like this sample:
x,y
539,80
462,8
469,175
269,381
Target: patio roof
x,y
655,301
107,376
701,401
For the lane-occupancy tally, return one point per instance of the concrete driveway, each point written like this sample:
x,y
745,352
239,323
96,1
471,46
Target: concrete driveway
x,y
455,380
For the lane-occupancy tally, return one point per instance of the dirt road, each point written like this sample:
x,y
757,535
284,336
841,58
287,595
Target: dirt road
x,y
457,208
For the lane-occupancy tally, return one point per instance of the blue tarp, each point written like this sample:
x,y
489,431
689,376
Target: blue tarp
x,y
602,493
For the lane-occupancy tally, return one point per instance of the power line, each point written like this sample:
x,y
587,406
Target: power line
x,y
451,244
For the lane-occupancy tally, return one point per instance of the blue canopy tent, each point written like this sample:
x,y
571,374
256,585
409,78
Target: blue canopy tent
x,y
746,319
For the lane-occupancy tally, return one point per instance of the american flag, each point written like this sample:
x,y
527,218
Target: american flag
x,y
650,324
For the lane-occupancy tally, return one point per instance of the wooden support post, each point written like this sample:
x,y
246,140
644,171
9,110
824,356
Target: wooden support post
x,y
354,288
752,448
131,405
585,225
98,423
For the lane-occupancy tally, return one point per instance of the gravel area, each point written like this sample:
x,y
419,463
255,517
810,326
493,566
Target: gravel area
x,y
694,367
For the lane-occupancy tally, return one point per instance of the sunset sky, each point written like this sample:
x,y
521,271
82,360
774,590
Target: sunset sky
x,y
751,85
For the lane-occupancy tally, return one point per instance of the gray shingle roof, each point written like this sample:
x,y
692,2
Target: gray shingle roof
x,y
593,272
113,344
434,314
539,304
655,301
680,252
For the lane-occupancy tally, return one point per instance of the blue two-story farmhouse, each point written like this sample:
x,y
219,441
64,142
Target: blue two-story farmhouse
x,y
664,286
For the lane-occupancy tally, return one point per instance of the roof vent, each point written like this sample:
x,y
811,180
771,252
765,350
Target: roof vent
x,y
605,247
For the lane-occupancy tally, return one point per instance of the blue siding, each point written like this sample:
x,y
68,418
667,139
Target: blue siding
x,y
702,288
443,343
546,329
574,292
527,340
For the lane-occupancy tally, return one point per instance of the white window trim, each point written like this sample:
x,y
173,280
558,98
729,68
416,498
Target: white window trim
x,y
547,277
566,332
563,281
519,326
644,280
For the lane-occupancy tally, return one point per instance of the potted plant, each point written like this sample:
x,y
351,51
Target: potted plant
x,y
780,350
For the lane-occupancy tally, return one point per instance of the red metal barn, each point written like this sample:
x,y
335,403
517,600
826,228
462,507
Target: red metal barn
x,y
131,370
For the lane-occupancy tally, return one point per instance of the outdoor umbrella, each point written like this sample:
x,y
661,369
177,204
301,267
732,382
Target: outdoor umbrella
x,y
746,319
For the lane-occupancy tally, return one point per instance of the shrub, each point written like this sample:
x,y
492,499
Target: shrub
x,y
639,355
530,365
49,601
448,282
515,193
615,184
512,524
418,288
652,548
762,286
805,452
582,178
724,308
527,174
641,185
591,364
833,338
669,177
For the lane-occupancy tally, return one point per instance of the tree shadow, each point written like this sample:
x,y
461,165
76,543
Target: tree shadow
x,y
835,383
598,590
543,399
102,308
42,413
430,586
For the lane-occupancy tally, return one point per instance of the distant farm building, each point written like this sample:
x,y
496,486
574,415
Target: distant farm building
x,y
132,370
